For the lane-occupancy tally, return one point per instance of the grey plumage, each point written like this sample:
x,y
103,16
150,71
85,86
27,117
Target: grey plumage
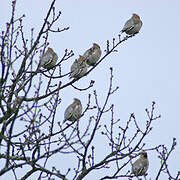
x,y
93,54
79,67
133,25
73,111
140,166
48,59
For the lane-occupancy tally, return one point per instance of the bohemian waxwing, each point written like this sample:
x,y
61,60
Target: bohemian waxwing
x,y
93,54
140,166
48,59
79,67
73,111
133,25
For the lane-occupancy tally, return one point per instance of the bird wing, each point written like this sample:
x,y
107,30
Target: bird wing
x,y
68,113
139,167
77,68
46,59
74,69
88,53
128,25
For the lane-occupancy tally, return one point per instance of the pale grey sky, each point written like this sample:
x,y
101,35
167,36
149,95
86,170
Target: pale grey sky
x,y
146,67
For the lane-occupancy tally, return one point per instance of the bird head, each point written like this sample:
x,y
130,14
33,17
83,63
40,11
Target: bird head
x,y
96,45
77,101
135,16
143,154
50,50
82,58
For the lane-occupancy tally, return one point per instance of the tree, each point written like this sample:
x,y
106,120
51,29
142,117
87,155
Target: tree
x,y
31,133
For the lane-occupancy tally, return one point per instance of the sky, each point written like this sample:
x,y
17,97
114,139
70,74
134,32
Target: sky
x,y
146,67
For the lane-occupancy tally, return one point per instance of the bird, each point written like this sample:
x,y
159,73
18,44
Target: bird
x,y
132,25
140,166
73,111
79,67
48,59
93,54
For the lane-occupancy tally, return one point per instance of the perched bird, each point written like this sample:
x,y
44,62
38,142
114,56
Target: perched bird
x,y
79,67
48,59
140,166
73,111
133,25
93,54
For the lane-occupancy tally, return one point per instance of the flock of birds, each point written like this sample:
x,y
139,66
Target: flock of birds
x,y
80,67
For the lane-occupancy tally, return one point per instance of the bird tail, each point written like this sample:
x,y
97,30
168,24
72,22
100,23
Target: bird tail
x,y
70,78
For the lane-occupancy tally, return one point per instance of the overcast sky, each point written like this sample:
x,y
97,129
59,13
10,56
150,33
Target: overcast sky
x,y
146,67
